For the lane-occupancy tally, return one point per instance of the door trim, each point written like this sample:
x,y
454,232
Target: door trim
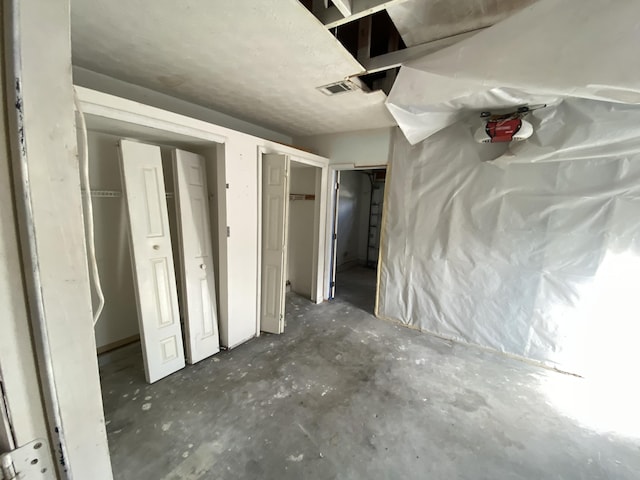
x,y
331,212
320,224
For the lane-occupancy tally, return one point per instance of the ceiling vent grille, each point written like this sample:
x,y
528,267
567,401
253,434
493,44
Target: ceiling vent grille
x,y
338,87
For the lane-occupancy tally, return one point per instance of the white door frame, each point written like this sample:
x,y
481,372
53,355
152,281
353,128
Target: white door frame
x,y
44,147
319,221
330,220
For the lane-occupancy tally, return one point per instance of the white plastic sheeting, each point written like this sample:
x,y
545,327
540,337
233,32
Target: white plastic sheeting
x,y
531,248
551,49
422,21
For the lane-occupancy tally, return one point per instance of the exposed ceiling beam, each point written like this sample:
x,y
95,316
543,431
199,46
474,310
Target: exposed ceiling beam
x,y
395,59
344,6
364,39
331,17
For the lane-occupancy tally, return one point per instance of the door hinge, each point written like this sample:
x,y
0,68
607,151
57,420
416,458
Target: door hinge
x,y
332,284
337,185
335,236
228,232
29,462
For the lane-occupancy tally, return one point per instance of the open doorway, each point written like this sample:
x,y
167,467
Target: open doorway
x,y
356,234
291,235
303,180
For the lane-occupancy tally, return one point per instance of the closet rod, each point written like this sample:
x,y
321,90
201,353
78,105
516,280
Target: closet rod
x,y
113,193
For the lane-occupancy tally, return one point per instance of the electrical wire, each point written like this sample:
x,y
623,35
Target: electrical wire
x,y
88,212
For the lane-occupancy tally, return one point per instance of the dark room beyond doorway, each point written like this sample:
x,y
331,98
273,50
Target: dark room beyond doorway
x,y
357,235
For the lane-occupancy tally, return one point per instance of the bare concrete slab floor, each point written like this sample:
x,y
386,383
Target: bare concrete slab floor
x,y
357,286
343,395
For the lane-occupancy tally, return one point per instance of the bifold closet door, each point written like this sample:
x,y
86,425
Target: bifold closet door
x,y
275,200
153,269
198,279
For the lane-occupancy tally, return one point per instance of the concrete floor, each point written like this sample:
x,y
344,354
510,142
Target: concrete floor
x,y
357,286
344,395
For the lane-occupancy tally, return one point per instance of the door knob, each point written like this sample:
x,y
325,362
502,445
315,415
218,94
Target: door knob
x,y
156,247
203,266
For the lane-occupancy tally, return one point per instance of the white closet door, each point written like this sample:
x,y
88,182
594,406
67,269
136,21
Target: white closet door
x,y
154,274
275,193
198,279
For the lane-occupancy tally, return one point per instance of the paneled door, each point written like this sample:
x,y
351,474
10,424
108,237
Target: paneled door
x,y
152,257
275,200
196,266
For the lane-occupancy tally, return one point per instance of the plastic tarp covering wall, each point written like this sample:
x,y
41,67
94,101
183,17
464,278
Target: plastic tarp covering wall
x,y
530,248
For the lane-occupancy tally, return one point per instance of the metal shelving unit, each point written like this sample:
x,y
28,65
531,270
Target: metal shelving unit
x,y
375,218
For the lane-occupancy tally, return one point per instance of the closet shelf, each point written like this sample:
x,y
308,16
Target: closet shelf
x,y
301,196
104,193
113,193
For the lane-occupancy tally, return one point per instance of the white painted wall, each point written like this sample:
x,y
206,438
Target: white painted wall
x,y
353,211
301,229
113,86
360,148
119,318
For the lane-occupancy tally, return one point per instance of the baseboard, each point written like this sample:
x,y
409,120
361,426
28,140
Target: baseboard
x,y
120,343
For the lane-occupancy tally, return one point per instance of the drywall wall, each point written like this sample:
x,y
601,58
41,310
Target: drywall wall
x,y
353,212
113,86
119,319
362,148
302,180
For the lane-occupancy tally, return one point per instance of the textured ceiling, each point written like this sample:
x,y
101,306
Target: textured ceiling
x,y
421,21
258,60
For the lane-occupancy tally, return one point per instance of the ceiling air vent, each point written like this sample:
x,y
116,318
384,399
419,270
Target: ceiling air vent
x,y
338,87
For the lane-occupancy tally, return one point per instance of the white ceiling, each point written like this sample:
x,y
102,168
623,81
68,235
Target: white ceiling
x,y
258,60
